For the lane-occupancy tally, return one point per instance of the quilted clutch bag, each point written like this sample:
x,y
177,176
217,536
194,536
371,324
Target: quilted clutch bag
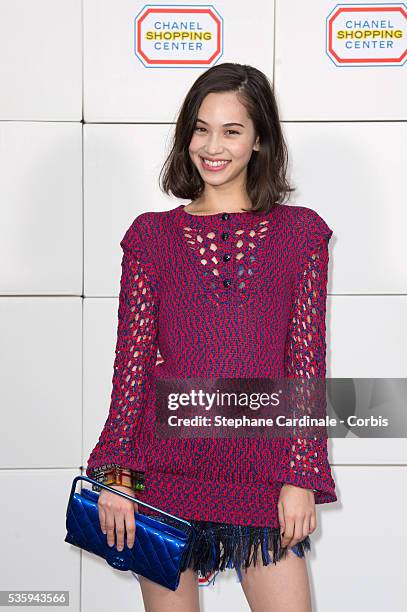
x,y
160,551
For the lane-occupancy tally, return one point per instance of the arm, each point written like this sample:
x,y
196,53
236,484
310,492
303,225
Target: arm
x,y
118,455
305,460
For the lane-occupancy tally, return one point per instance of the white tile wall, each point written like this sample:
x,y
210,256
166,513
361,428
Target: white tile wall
x,y
312,88
353,174
41,231
41,382
117,87
121,167
35,556
41,65
357,561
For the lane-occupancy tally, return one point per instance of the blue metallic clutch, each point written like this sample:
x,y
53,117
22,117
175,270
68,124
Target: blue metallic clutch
x,y
160,552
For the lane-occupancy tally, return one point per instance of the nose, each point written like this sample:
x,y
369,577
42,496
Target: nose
x,y
212,146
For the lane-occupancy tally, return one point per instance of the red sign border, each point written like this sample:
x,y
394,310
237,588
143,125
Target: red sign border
x,y
178,10
364,9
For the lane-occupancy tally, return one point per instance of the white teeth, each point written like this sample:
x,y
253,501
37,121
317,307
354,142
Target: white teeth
x,y
215,164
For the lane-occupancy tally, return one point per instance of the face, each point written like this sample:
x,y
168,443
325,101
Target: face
x,y
223,133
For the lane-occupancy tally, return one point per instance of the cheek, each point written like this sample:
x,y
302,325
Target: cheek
x,y
241,151
193,145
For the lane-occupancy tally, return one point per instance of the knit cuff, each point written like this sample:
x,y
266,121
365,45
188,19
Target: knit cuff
x,y
322,485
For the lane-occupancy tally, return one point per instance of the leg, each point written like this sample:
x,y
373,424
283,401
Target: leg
x,y
157,598
283,587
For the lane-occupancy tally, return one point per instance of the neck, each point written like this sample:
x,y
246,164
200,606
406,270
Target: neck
x,y
211,208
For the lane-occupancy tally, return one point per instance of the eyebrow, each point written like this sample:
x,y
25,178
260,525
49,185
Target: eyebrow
x,y
224,125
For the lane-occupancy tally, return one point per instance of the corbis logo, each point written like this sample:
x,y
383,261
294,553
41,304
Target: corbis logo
x,y
367,35
178,36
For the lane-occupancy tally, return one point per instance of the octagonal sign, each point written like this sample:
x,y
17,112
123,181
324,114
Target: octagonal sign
x,y
179,36
367,34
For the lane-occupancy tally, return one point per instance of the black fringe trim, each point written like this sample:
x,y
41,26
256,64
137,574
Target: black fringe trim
x,y
220,546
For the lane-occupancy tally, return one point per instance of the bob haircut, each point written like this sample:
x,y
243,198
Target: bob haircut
x,y
267,184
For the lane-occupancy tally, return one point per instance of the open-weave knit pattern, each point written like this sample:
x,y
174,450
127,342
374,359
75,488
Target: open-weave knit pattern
x,y
220,295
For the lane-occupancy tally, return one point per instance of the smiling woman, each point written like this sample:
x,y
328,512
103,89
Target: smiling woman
x,y
231,285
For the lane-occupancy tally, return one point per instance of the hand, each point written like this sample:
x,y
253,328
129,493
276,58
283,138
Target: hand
x,y
296,513
115,510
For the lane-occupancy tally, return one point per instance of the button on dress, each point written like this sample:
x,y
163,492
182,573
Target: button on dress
x,y
224,295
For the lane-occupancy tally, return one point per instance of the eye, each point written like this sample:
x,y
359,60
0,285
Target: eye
x,y
198,128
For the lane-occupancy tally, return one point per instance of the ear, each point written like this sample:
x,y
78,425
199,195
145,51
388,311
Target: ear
x,y
256,145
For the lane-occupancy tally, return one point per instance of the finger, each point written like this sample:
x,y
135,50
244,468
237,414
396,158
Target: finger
x,y
119,525
110,528
281,518
288,531
102,519
130,528
306,528
313,522
298,531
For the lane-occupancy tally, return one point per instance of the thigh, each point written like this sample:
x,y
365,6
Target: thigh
x,y
279,587
157,598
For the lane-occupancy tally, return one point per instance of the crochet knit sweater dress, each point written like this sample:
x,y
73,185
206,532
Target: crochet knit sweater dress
x,y
238,294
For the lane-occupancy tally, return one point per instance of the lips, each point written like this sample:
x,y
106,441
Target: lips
x,y
214,160
217,168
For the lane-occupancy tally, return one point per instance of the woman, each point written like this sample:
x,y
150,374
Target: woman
x,y
231,285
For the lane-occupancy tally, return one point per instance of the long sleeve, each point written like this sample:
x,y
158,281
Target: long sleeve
x,y
305,460
135,356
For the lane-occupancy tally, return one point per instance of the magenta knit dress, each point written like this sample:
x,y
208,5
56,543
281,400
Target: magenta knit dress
x,y
221,295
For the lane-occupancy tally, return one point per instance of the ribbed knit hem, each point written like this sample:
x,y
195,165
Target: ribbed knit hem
x,y
220,501
230,535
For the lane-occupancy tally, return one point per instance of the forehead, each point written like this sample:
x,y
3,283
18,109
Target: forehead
x,y
223,107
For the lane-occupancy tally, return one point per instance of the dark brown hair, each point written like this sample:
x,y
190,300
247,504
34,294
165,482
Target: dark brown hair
x,y
267,184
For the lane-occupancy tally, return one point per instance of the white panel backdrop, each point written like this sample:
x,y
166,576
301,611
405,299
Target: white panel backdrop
x,y
84,129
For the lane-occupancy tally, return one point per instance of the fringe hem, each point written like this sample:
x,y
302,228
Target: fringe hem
x,y
221,546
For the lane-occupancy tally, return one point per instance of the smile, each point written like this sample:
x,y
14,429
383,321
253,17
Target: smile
x,y
214,166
